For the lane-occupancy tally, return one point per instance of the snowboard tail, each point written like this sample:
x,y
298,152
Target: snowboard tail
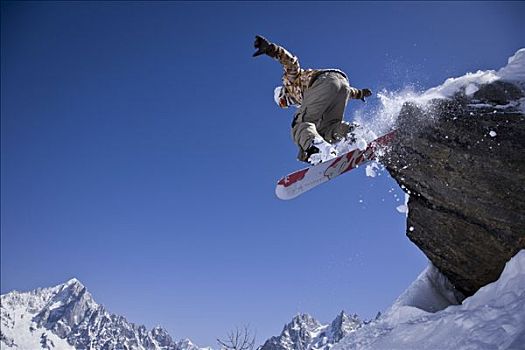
x,y
305,179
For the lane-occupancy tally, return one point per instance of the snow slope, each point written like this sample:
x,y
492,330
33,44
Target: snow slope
x,y
493,318
19,331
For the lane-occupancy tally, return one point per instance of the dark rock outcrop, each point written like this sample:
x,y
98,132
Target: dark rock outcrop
x,y
462,160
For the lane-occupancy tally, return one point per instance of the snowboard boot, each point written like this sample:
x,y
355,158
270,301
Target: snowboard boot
x,y
320,151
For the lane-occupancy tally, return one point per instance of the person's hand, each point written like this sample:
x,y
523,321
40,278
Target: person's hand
x,y
366,93
263,46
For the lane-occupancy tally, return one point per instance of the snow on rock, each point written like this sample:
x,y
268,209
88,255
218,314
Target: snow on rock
x,y
515,68
471,89
514,71
385,116
427,315
453,85
464,200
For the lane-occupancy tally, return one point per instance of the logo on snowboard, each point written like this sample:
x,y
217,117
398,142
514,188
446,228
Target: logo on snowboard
x,y
348,162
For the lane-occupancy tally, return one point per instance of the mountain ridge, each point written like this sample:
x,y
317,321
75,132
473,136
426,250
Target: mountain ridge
x,y
305,332
67,317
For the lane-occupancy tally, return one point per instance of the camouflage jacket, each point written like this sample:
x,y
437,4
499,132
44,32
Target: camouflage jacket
x,y
297,80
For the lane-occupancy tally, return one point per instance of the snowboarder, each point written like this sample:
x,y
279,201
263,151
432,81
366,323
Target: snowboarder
x,y
320,95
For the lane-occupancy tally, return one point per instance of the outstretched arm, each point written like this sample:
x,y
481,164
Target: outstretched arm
x,y
291,66
290,62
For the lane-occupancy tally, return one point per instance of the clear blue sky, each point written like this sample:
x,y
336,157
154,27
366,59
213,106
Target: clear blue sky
x,y
141,146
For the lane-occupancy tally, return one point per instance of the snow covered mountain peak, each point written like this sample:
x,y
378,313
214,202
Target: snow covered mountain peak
x,y
303,321
67,317
344,325
66,309
73,281
306,333
186,344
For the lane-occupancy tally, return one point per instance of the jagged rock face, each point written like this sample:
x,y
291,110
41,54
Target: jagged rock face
x,y
343,325
306,333
462,161
66,309
68,314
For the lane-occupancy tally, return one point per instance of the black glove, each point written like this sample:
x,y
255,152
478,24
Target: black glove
x,y
365,93
263,46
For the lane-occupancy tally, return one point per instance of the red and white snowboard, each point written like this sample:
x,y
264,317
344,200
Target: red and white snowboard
x,y
304,180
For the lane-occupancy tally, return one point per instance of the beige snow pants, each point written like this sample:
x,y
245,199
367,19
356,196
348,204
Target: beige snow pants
x,y
321,113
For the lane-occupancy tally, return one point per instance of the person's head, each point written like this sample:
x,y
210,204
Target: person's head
x,y
281,97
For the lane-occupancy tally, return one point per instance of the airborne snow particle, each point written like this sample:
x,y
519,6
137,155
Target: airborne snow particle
x,y
492,133
371,170
362,144
402,209
411,228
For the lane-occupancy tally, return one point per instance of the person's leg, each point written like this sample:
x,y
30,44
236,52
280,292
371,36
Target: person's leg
x,y
316,100
332,127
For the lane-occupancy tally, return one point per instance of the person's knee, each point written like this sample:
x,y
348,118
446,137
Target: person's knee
x,y
303,134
